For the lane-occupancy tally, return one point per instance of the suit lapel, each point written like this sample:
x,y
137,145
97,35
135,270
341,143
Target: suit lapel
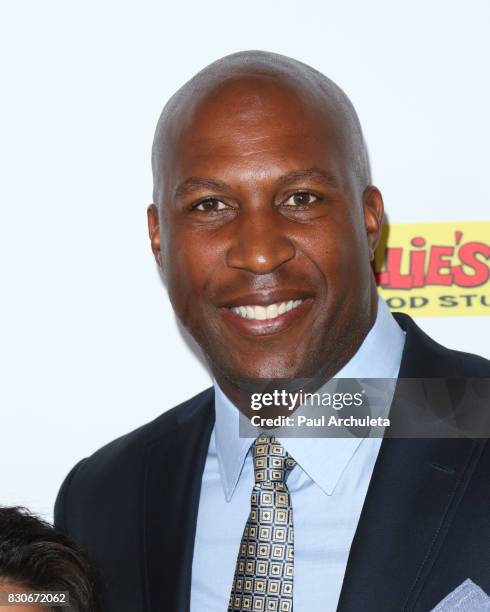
x,y
414,492
412,497
174,468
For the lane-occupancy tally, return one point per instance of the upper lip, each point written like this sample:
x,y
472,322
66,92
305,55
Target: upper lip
x,y
265,298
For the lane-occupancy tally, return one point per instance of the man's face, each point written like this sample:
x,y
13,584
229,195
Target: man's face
x,y
265,234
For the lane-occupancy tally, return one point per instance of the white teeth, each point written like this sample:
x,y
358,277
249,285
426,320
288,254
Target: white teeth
x,y
263,313
260,313
272,311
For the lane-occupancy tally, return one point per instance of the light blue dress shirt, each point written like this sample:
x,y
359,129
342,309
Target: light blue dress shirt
x,y
327,488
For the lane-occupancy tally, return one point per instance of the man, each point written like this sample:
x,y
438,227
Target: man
x,y
264,225
35,560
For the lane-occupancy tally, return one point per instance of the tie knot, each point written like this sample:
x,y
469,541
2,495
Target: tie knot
x,y
271,461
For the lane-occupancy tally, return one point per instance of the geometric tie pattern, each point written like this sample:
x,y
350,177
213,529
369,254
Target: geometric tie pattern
x,y
263,579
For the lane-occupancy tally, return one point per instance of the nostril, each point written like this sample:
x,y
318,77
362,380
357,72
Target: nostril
x,y
261,255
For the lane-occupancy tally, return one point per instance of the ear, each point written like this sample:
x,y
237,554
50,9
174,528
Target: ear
x,y
154,233
373,207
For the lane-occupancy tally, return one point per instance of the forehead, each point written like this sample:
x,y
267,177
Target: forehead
x,y
253,124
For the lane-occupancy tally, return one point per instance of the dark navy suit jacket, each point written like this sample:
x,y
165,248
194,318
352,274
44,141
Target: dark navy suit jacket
x,y
424,527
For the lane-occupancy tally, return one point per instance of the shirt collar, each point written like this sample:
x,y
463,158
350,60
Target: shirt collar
x,y
323,459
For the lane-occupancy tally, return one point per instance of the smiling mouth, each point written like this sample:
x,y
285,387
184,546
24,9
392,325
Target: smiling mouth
x,y
266,319
265,313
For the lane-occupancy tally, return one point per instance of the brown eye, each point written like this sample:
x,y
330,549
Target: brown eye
x,y
300,199
210,205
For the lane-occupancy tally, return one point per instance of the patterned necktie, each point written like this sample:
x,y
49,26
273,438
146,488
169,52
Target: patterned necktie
x,y
263,579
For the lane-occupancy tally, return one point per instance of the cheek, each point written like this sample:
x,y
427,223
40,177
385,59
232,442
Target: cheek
x,y
331,251
183,278
190,261
336,251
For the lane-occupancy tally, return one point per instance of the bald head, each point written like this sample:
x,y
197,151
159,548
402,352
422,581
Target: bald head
x,y
251,81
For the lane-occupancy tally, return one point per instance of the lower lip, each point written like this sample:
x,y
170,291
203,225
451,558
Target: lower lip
x,y
268,327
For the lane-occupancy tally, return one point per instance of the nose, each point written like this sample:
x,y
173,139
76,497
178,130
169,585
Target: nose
x,y
260,244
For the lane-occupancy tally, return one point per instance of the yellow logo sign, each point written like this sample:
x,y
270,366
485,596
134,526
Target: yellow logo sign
x,y
435,269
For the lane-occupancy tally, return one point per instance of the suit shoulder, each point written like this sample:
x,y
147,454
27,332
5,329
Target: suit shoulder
x,y
469,364
161,425
124,454
426,357
473,365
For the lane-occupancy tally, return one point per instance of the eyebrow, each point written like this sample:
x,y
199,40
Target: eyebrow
x,y
195,183
315,174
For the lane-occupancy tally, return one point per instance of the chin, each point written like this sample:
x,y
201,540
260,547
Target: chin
x,y
265,370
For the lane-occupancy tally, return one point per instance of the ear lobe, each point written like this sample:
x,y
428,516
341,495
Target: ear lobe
x,y
154,233
373,217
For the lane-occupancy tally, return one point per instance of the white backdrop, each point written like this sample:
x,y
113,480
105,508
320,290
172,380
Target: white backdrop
x,y
89,345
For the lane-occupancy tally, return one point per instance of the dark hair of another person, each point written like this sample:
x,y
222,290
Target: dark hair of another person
x,y
34,556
